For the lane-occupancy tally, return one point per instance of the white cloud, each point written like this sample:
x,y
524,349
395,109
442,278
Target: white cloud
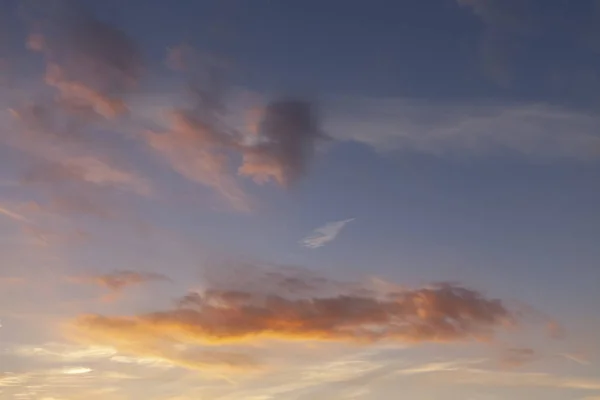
x,y
538,131
325,234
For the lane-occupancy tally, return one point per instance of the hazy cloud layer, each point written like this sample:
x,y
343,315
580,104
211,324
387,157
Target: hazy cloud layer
x,y
325,234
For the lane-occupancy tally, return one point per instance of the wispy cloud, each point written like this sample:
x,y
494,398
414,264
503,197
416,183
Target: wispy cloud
x,y
325,234
116,282
13,215
517,357
92,64
532,131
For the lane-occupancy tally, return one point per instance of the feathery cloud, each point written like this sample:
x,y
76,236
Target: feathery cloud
x,y
533,131
325,234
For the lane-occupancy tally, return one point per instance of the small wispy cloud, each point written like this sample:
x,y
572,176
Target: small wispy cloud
x,y
12,215
117,281
325,234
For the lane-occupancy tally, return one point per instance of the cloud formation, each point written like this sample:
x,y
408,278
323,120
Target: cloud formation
x,y
92,64
325,234
200,153
201,143
439,313
532,131
516,34
71,154
200,146
117,281
15,216
288,134
506,23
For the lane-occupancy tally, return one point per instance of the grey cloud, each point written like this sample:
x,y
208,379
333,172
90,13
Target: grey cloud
x,y
288,135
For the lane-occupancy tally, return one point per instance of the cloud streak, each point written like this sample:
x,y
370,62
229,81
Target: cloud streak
x,y
531,131
325,234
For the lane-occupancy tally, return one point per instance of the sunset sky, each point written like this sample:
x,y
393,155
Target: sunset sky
x,y
303,200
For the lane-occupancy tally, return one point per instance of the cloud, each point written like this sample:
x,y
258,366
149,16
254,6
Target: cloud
x,y
200,153
514,31
578,358
532,131
116,282
92,64
288,134
89,169
507,22
439,313
72,154
13,215
325,234
517,357
202,144
64,352
473,376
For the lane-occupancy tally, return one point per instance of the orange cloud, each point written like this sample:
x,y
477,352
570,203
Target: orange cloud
x,y
441,313
199,152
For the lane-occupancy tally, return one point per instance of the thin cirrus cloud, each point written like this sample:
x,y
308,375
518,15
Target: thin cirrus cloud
x,y
530,131
325,234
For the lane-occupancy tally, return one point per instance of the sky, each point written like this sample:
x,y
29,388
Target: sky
x,y
256,200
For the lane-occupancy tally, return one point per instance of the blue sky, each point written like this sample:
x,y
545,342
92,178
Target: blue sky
x,y
434,161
